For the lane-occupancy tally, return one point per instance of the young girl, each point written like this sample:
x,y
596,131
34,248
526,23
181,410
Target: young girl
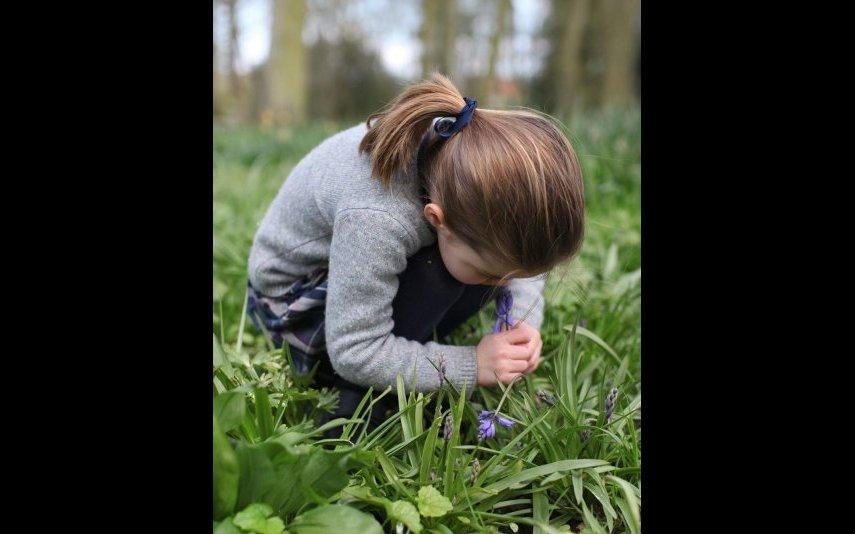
x,y
408,224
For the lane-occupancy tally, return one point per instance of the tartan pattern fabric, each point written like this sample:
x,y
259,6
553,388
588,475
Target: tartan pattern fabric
x,y
297,316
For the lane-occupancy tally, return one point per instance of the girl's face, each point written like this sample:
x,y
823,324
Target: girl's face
x,y
464,264
461,261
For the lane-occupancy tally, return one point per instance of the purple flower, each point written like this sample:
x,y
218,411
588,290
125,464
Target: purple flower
x,y
487,424
504,303
504,421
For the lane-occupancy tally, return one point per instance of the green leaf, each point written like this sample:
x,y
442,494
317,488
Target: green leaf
x,y
577,488
257,474
406,513
229,409
406,424
390,472
335,518
451,451
226,527
540,510
324,474
220,360
597,492
256,518
591,522
596,339
263,413
432,503
402,511
429,449
552,478
627,515
631,502
287,478
534,472
252,512
226,474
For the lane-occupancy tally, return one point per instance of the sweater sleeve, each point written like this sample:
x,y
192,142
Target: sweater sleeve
x,y
369,249
528,294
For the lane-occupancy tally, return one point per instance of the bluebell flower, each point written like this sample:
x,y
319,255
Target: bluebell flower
x,y
487,424
504,421
504,303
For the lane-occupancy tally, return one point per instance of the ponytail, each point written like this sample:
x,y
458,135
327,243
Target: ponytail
x,y
393,141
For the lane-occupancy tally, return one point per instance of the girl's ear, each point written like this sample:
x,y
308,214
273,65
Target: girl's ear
x,y
434,215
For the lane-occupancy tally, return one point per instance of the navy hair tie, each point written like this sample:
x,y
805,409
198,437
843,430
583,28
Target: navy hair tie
x,y
448,126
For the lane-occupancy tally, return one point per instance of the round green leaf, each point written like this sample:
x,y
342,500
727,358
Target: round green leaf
x,y
333,518
432,503
256,518
407,514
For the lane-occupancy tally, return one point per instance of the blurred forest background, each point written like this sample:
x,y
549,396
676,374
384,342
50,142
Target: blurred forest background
x,y
288,62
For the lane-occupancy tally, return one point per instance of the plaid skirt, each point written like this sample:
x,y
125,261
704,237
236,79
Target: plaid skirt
x,y
297,316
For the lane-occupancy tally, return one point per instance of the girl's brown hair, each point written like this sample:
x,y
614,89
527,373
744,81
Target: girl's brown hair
x,y
509,183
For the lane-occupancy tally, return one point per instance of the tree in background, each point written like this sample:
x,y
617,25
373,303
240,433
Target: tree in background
x,y
559,86
591,56
214,98
619,43
438,36
286,75
228,86
502,26
347,80
593,48
234,81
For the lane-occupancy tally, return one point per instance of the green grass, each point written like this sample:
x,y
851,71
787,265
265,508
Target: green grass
x,y
562,464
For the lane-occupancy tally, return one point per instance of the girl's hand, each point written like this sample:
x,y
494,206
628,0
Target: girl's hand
x,y
506,355
503,356
534,345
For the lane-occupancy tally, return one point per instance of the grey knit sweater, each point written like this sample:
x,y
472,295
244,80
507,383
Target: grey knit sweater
x,y
331,211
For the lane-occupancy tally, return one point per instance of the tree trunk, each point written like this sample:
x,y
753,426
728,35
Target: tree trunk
x,y
427,35
504,11
214,68
234,82
573,17
449,37
287,77
438,36
619,47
